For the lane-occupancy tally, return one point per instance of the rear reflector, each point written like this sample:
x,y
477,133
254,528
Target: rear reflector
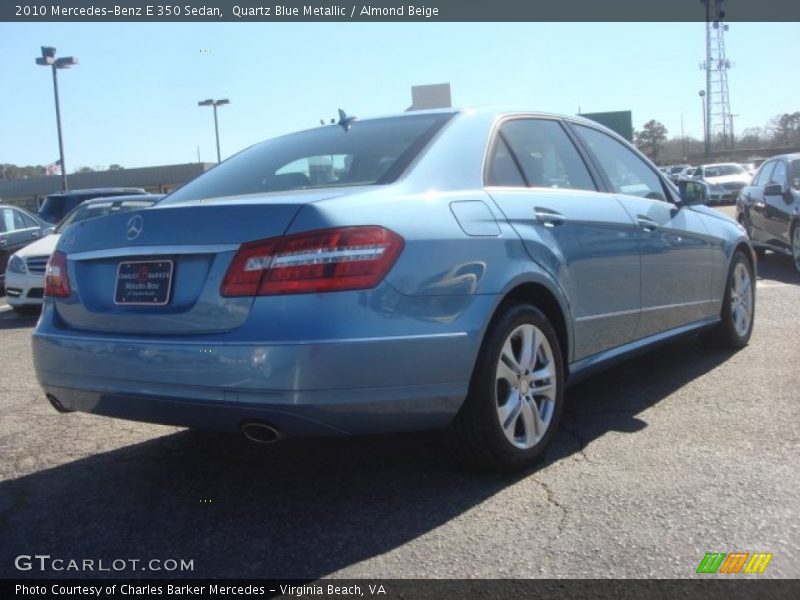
x,y
56,281
328,260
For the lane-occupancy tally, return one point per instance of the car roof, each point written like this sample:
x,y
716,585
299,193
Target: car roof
x,y
25,210
792,156
498,111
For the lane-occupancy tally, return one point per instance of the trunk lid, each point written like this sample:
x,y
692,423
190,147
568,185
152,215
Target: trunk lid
x,y
198,239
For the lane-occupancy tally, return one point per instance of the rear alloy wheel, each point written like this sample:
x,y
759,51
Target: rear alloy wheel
x,y
738,307
796,247
516,394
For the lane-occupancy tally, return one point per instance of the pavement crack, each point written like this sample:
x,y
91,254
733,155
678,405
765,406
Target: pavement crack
x,y
582,441
560,524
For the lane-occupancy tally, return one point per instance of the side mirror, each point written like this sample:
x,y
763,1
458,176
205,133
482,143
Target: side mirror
x,y
776,189
694,192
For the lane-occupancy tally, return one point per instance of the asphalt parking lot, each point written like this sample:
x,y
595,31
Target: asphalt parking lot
x,y
660,460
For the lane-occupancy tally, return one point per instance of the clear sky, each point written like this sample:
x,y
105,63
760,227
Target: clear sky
x,y
133,98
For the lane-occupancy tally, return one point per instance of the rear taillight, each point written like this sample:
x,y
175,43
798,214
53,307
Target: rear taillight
x,y
328,260
56,281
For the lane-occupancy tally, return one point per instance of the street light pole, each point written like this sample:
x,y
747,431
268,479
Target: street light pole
x,y
706,148
215,104
48,59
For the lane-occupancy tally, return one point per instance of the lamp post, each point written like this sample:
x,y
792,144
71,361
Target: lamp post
x,y
706,147
215,104
48,59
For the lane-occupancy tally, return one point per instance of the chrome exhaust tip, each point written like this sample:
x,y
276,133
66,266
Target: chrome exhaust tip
x,y
260,433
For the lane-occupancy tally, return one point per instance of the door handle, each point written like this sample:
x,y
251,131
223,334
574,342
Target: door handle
x,y
3,242
547,217
647,224
35,234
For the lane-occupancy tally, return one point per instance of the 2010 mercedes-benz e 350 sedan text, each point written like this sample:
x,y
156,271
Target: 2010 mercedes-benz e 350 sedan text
x,y
429,270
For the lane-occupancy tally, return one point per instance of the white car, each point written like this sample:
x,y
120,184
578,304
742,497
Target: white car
x,y
26,267
725,180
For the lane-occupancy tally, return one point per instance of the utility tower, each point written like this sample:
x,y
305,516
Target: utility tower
x,y
719,120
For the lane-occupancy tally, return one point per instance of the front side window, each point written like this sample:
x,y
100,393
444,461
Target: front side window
x,y
779,174
28,221
762,177
20,221
627,173
544,153
370,152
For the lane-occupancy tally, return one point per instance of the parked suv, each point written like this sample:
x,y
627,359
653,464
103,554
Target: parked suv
x,y
56,206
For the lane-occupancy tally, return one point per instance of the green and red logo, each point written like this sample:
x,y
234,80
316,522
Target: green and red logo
x,y
735,562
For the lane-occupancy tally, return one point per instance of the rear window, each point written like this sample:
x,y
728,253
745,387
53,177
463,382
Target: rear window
x,y
721,170
100,209
369,152
55,207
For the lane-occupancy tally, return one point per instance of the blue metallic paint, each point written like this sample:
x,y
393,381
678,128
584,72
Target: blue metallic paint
x,y
396,357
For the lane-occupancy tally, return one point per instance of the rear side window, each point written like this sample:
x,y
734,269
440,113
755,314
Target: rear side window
x,y
367,152
503,170
794,174
543,152
7,221
627,173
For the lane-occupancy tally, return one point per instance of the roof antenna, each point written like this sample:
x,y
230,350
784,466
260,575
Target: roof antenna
x,y
344,120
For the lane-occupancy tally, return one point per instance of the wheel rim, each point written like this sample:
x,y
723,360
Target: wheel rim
x,y
741,299
796,247
525,386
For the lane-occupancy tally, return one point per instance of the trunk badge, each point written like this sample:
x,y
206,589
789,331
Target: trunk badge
x,y
134,227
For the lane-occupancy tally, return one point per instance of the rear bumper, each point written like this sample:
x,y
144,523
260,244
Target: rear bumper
x,y
367,385
335,412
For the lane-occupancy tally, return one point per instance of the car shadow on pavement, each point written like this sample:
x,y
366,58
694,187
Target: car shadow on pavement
x,y
301,509
778,267
12,320
613,399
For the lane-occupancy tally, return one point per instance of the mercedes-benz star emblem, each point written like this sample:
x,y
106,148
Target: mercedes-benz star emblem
x,y
134,227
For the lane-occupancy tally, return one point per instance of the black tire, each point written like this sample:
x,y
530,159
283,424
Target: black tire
x,y
476,433
725,334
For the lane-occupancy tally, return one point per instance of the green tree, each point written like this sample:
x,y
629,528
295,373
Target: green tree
x,y
115,167
9,171
651,138
785,129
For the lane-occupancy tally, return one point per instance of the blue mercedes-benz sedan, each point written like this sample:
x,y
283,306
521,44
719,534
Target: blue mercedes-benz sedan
x,y
445,269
